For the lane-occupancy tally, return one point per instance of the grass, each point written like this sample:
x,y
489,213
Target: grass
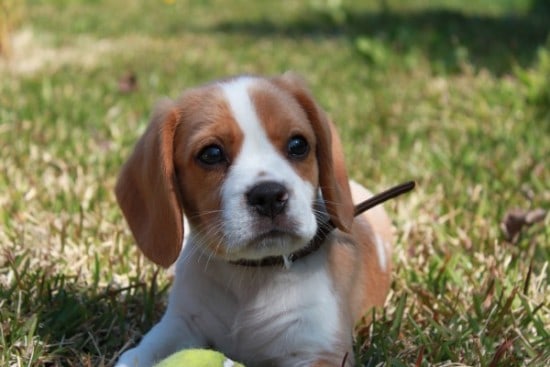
x,y
453,94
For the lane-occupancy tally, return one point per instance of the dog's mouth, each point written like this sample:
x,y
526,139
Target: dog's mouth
x,y
274,242
272,235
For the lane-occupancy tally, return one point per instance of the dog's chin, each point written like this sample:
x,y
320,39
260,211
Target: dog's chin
x,y
272,243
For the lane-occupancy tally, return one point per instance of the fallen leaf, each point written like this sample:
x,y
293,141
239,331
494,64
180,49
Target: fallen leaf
x,y
516,219
128,83
535,216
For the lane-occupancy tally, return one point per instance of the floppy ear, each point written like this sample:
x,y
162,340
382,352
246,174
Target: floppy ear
x,y
333,178
147,191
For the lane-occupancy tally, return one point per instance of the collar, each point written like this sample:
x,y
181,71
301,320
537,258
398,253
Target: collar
x,y
324,228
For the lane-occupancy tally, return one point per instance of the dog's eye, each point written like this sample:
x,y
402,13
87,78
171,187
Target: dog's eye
x,y
297,147
211,155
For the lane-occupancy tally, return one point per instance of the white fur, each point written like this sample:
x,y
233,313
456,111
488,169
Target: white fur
x,y
253,315
258,161
381,251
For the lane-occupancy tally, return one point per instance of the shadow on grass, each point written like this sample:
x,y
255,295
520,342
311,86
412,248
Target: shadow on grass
x,y
446,37
73,323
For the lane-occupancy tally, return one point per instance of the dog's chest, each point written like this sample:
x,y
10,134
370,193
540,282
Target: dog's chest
x,y
267,313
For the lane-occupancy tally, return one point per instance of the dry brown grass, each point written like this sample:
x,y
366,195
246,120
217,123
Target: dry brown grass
x,y
11,16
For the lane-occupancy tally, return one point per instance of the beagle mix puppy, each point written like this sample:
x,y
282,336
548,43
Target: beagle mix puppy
x,y
257,168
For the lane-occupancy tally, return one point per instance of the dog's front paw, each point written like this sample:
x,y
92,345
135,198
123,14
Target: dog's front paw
x,y
133,358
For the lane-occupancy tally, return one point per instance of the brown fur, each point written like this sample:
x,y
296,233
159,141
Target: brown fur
x,y
147,192
333,178
282,117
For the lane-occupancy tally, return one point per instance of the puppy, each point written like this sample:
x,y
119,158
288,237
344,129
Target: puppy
x,y
257,168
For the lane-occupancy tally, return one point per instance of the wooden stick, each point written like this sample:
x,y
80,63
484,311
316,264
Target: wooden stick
x,y
384,196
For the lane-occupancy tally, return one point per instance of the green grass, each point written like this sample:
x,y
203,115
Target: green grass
x,y
453,94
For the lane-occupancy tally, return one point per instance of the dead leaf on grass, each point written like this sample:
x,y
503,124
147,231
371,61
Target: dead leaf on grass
x,y
128,83
516,219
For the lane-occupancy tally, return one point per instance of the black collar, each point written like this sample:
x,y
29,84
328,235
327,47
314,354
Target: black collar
x,y
324,228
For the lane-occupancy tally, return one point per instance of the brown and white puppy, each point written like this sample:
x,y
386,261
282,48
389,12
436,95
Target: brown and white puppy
x,y
254,164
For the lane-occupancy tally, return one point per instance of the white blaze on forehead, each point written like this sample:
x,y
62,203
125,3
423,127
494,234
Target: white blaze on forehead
x,y
244,112
236,92
257,153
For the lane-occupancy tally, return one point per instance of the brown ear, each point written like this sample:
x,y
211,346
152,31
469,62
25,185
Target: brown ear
x,y
333,178
147,193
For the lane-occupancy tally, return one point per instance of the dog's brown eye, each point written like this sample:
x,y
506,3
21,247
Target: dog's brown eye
x,y
211,155
297,147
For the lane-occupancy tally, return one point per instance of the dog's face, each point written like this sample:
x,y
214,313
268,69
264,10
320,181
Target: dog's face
x,y
246,159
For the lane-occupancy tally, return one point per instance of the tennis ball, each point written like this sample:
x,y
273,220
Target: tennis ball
x,y
198,358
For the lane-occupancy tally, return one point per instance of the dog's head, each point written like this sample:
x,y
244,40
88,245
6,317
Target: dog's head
x,y
246,159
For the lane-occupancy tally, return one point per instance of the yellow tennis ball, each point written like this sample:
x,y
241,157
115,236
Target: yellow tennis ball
x,y
198,358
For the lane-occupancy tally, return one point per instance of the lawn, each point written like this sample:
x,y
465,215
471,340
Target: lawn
x,y
452,94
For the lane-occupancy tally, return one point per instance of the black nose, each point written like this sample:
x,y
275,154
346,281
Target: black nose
x,y
268,198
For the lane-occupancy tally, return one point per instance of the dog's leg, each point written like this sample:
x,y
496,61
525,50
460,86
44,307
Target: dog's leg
x,y
170,335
